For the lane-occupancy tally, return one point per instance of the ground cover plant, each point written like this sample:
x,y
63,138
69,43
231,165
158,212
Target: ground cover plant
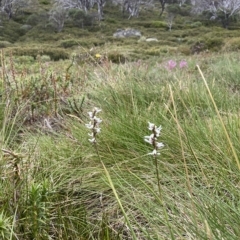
x,y
80,147
118,138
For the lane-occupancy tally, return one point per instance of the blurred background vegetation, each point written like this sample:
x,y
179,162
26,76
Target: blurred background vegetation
x,y
61,29
62,58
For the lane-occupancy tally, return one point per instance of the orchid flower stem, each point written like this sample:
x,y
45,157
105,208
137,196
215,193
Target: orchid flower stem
x,y
97,151
158,177
161,196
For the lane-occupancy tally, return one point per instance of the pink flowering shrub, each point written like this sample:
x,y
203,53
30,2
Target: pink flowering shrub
x,y
183,64
171,64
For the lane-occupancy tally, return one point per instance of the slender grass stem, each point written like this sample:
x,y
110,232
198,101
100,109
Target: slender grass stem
x,y
119,202
220,118
180,131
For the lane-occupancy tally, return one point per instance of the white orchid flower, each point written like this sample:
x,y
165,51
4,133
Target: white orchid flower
x,y
93,125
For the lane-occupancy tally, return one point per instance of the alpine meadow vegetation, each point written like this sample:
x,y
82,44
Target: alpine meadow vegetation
x,y
118,138
63,178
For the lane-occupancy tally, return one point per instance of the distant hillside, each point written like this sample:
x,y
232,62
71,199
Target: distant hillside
x,y
43,28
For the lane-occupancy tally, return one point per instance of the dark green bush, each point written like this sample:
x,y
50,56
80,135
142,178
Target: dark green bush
x,y
23,59
4,44
219,32
232,44
98,42
214,44
116,57
45,2
21,16
33,19
36,18
69,43
11,31
198,47
43,58
54,53
184,50
159,24
89,42
110,20
185,10
25,27
81,19
196,24
153,51
173,9
42,33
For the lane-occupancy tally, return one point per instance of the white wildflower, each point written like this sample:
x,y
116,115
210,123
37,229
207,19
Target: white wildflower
x,y
158,131
90,115
97,130
89,125
159,145
97,110
97,120
151,126
154,152
152,139
93,125
92,140
149,139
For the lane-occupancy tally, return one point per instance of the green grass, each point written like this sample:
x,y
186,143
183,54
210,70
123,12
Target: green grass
x,y
56,185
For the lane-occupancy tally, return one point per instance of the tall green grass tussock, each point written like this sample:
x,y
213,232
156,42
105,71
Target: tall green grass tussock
x,y
70,172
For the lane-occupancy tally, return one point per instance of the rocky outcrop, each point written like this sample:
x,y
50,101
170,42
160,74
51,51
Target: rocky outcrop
x,y
124,33
144,39
151,40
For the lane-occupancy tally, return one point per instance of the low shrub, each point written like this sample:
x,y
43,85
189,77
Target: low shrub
x,y
130,41
4,44
116,57
55,54
178,40
184,50
25,27
185,10
161,50
153,24
196,24
45,2
82,57
153,51
82,19
11,31
43,58
36,18
69,43
110,20
214,44
24,59
98,42
90,42
232,44
159,24
198,47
